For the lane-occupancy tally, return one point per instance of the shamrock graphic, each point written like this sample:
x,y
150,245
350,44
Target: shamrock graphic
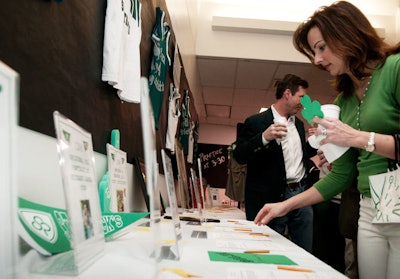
x,y
310,109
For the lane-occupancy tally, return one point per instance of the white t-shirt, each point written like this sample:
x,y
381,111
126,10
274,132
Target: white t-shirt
x,y
173,117
121,50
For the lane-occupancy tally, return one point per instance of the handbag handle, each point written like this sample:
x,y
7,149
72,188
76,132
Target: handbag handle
x,y
396,147
394,164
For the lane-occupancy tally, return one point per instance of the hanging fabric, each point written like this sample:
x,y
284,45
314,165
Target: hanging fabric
x,y
159,63
173,117
236,177
121,49
185,122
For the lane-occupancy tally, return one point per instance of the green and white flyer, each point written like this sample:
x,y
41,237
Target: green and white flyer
x,y
117,176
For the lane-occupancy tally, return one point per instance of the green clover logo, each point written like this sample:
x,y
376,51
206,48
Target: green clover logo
x,y
311,109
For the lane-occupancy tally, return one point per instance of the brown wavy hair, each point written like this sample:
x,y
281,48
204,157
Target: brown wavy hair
x,y
347,31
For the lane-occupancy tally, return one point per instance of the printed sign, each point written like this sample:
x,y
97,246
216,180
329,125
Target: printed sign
x,y
214,160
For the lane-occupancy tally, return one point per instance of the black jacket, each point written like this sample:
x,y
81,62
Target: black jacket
x,y
265,164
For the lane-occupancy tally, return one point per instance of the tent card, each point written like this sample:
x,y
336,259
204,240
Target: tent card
x,y
117,169
150,158
80,189
197,194
169,179
150,152
9,89
182,175
201,183
196,199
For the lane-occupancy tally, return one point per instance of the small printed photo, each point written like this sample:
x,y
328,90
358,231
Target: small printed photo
x,y
120,200
87,219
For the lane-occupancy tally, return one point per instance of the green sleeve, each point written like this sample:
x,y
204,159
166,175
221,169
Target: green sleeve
x,y
344,171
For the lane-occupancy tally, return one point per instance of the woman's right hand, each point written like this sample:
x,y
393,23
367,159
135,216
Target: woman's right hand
x,y
270,211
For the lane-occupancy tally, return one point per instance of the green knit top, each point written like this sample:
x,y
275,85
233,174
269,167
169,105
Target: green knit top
x,y
379,112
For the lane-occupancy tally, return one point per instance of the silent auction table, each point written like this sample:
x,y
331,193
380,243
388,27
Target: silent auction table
x,y
232,248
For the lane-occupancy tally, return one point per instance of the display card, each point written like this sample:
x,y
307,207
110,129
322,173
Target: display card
x,y
76,159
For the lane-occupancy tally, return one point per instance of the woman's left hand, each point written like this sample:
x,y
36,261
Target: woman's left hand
x,y
336,131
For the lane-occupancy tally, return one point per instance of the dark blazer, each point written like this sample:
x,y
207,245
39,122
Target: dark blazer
x,y
265,164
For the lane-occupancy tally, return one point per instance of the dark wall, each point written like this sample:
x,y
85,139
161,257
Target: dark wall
x,y
57,48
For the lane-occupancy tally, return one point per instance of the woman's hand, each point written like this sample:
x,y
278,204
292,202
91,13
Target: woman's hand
x,y
313,131
336,131
322,158
270,211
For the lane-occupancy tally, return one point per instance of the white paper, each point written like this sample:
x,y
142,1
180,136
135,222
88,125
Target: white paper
x,y
118,181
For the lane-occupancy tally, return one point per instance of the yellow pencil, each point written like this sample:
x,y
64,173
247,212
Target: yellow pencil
x,y
243,230
291,268
257,251
261,234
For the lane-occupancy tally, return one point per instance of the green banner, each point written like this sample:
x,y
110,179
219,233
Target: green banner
x,y
114,222
48,227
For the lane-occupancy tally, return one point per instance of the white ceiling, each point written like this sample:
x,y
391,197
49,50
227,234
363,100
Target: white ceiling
x,y
233,54
234,88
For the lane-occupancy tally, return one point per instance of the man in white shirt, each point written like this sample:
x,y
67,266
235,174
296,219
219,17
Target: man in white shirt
x,y
272,144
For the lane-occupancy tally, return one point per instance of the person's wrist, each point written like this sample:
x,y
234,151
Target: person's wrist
x,y
264,140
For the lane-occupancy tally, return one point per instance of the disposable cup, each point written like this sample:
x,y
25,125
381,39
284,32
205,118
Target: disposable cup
x,y
331,151
281,120
331,111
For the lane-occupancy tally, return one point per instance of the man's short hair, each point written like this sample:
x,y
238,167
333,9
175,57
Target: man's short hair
x,y
291,82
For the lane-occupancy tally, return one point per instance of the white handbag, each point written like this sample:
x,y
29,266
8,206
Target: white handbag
x,y
385,192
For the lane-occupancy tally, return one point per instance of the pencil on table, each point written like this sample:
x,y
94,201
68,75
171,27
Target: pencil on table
x,y
261,234
242,230
257,251
291,268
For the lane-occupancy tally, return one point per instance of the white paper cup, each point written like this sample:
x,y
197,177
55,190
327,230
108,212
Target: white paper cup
x,y
280,120
331,111
331,151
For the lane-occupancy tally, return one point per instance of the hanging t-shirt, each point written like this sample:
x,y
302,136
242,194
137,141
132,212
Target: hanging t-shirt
x,y
159,63
121,50
173,117
184,130
190,155
195,142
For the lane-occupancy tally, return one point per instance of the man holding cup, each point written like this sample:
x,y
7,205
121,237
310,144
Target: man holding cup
x,y
272,144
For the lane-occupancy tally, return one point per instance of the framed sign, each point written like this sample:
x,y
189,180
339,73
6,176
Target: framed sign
x,y
76,159
117,170
140,170
169,179
9,93
182,175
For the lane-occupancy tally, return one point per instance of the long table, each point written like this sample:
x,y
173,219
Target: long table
x,y
217,250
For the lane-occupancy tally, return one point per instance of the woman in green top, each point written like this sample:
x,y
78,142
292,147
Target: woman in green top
x,y
340,40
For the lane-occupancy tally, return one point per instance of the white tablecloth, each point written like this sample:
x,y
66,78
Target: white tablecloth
x,y
129,256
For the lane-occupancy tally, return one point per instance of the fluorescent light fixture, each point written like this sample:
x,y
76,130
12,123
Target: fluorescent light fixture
x,y
251,25
263,26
